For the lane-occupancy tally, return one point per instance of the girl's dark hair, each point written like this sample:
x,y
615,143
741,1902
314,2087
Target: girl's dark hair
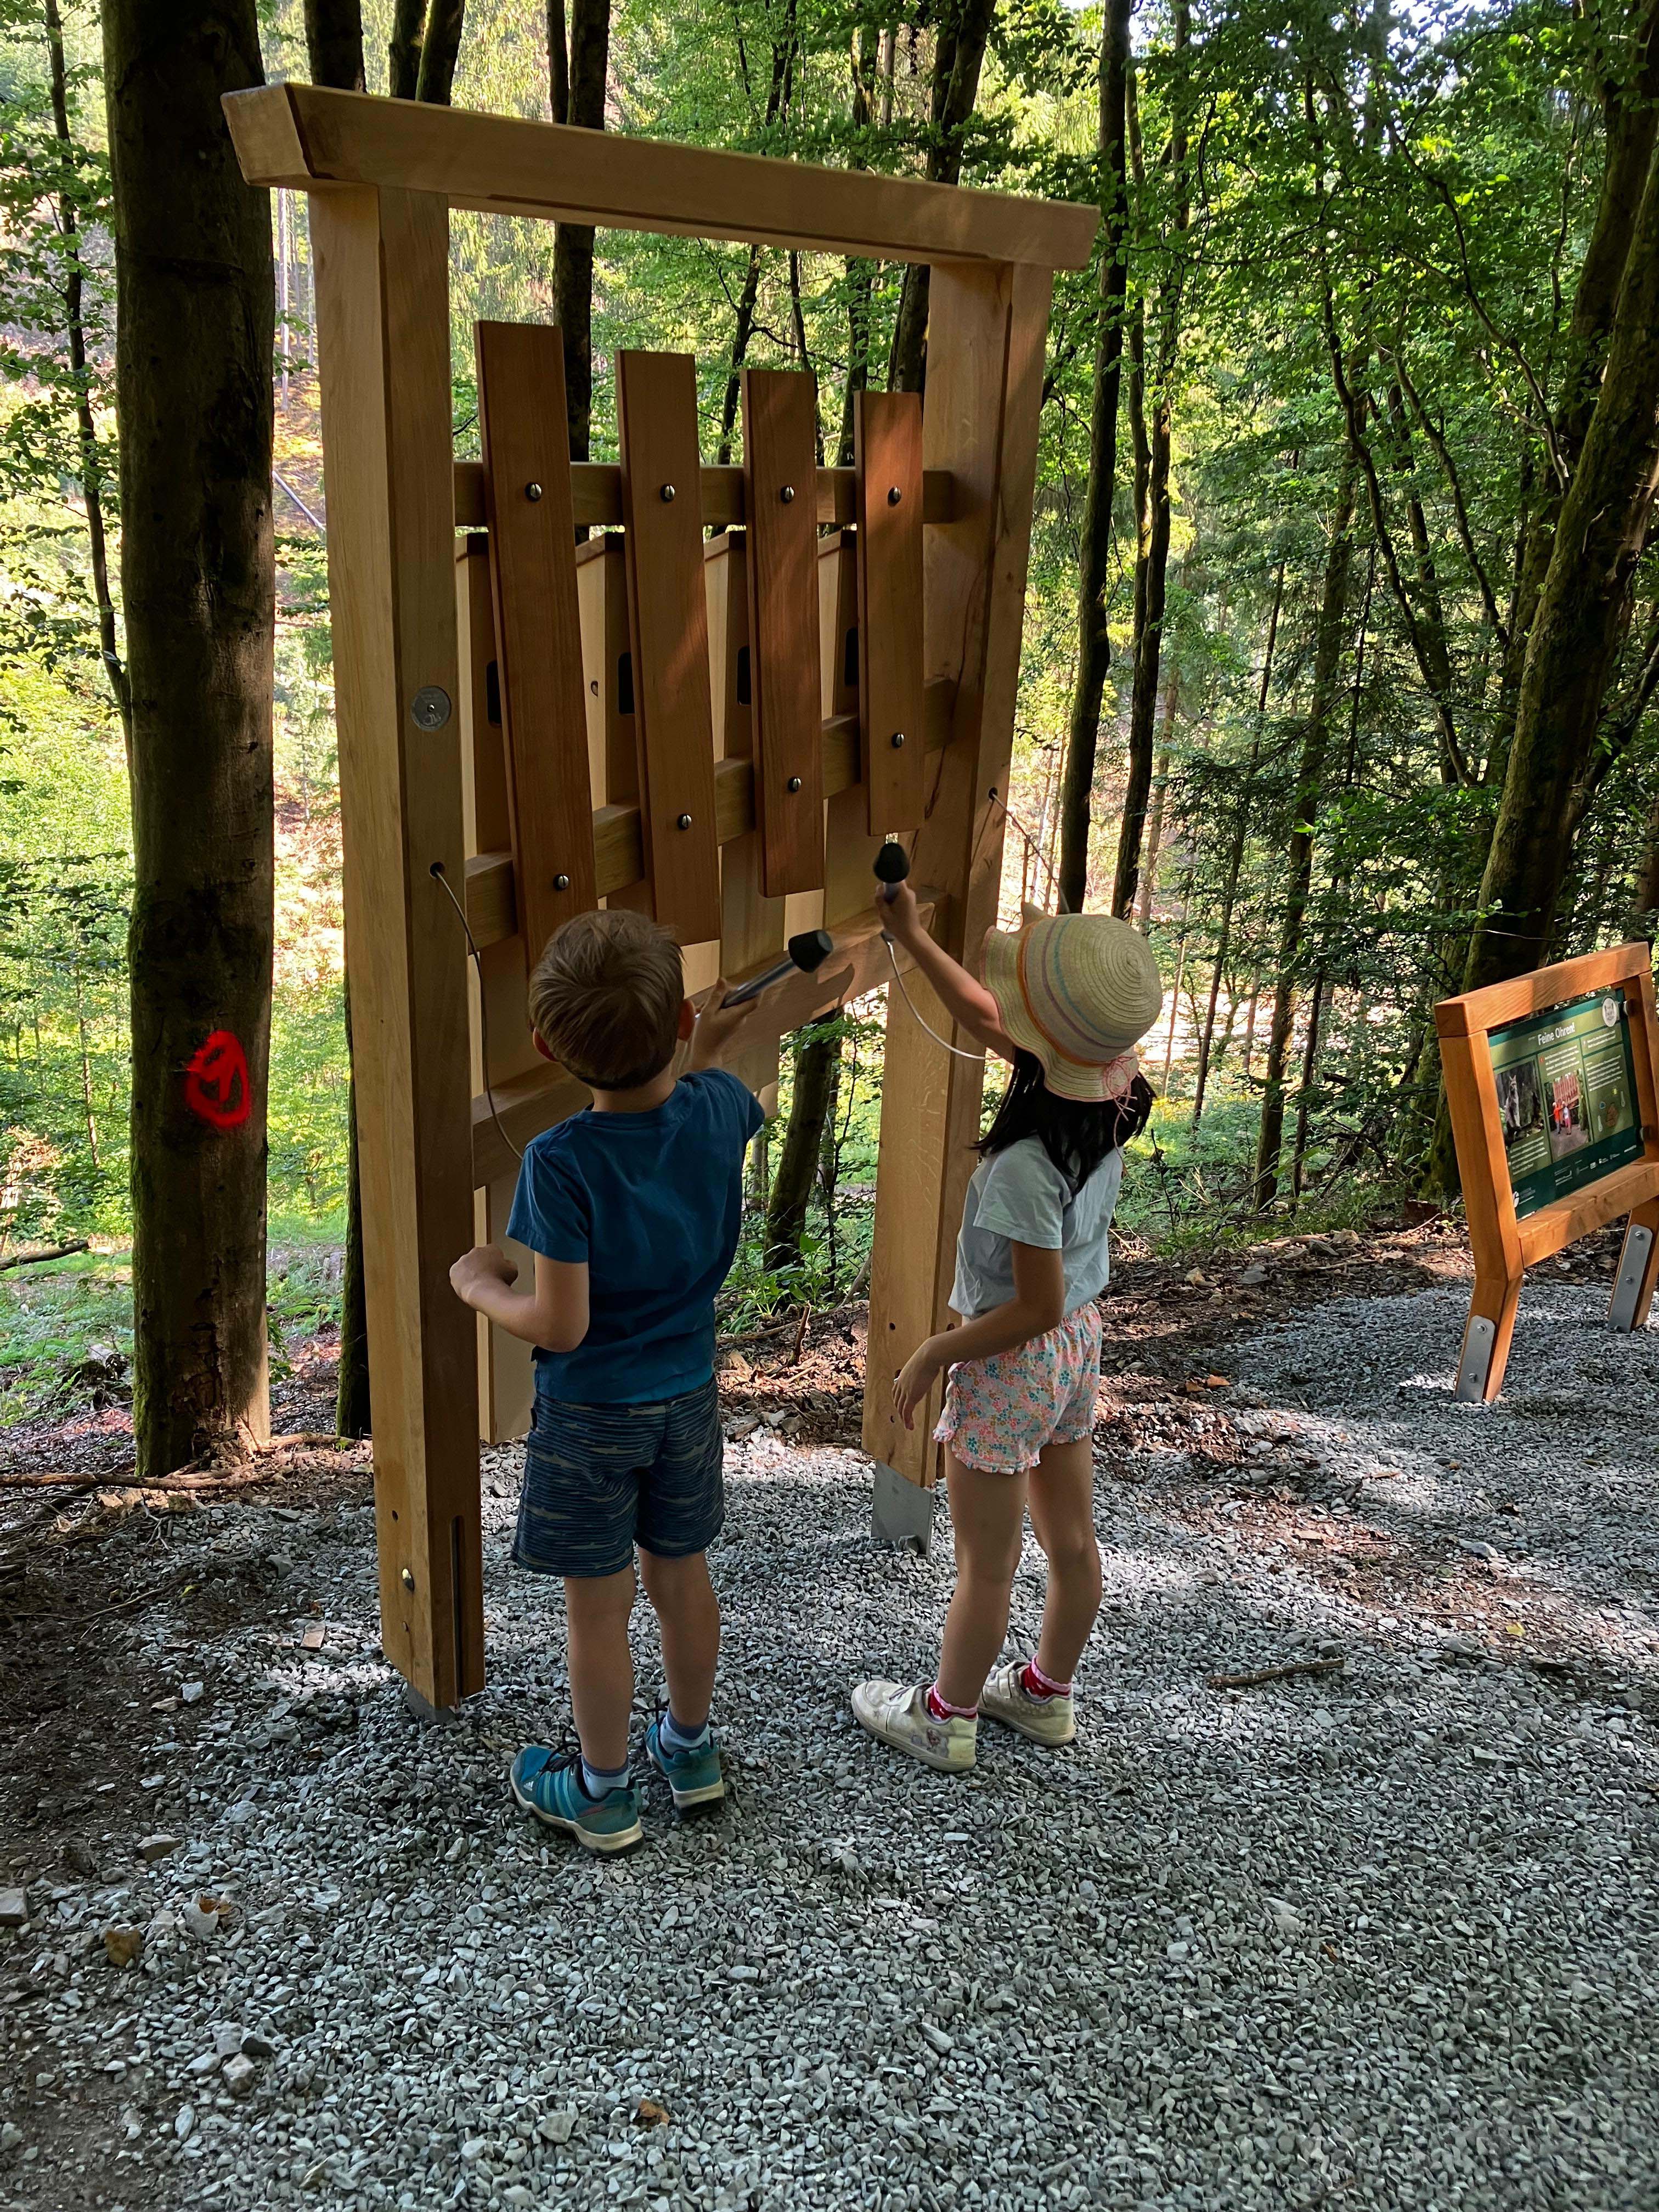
x,y
1077,1133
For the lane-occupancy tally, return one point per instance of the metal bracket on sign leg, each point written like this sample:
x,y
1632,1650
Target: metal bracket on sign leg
x,y
1633,1266
1475,1365
900,1512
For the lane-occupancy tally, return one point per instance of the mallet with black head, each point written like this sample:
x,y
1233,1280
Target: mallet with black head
x,y
808,950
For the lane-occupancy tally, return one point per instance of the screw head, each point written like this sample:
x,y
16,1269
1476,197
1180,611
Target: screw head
x,y
562,883
893,494
787,494
898,739
667,494
430,706
408,1578
683,821
793,783
532,491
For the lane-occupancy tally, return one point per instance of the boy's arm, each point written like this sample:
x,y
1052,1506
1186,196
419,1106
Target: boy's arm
x,y
716,1027
963,996
553,1316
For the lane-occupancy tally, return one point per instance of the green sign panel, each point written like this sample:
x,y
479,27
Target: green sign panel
x,y
1567,1089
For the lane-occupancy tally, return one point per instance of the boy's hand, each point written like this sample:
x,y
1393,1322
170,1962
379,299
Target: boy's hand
x,y
717,1024
916,1378
899,916
484,1263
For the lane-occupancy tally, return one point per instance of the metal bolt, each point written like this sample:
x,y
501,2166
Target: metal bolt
x,y
683,821
667,494
430,706
893,494
794,783
898,739
786,493
408,1578
561,883
532,491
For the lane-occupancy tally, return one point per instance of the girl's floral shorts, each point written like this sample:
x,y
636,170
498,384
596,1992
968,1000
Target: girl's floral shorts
x,y
1001,1413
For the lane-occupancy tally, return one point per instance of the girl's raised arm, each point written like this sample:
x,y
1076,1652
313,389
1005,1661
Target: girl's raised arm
x,y
964,999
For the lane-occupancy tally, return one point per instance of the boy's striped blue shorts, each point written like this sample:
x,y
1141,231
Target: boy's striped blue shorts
x,y
599,1479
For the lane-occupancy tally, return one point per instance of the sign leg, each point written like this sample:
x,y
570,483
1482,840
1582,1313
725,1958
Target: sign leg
x,y
1638,1270
1486,1335
901,1511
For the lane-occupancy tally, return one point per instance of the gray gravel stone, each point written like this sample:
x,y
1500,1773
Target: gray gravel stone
x,y
1383,1939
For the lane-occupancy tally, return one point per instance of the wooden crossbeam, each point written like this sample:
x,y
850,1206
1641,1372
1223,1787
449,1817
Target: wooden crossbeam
x,y
596,496
619,851
860,964
303,136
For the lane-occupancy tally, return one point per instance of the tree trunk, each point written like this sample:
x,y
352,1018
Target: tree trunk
x,y
440,46
1235,865
92,472
1304,1093
1094,652
1154,576
334,43
577,90
1298,856
1148,890
860,275
195,330
334,51
1555,761
1644,891
963,26
817,1051
353,1407
403,53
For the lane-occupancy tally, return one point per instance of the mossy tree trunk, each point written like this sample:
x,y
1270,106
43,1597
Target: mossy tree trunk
x,y
196,321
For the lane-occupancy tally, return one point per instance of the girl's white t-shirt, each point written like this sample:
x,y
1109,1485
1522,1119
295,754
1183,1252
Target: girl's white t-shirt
x,y
1020,1197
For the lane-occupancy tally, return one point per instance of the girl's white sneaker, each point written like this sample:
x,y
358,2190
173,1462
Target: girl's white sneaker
x,y
1045,1720
896,1713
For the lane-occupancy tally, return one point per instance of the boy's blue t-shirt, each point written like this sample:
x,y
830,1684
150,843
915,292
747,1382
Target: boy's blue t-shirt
x,y
654,1203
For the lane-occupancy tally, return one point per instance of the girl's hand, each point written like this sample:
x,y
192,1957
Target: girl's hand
x,y
484,1263
898,915
916,1378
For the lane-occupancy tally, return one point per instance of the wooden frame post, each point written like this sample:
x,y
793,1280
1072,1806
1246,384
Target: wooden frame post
x,y
382,308
987,331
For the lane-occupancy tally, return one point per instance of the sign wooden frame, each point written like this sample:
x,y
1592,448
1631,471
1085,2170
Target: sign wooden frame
x,y
420,745
1503,1246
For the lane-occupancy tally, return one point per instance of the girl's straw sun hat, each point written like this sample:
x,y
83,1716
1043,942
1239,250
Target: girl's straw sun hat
x,y
1077,991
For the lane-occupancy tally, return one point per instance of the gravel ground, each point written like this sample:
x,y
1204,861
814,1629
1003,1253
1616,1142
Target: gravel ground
x,y
1380,1936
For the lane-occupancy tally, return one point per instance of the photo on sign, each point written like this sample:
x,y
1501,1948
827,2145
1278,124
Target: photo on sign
x,y
1567,1132
1519,1103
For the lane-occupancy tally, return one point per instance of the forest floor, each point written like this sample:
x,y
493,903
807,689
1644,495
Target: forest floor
x,y
1384,1933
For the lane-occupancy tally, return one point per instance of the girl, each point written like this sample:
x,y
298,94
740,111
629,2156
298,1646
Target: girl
x,y
1065,997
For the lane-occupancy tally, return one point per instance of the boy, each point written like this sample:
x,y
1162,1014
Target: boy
x,y
632,1209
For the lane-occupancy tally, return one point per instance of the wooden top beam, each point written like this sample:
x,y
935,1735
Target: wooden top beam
x,y
1472,1012
304,137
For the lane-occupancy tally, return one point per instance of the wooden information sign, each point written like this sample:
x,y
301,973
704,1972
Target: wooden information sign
x,y
1550,1082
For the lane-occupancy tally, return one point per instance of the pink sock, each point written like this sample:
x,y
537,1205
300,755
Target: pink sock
x,y
1036,1684
942,1710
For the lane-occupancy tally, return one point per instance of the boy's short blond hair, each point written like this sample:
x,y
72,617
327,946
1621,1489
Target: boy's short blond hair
x,y
606,997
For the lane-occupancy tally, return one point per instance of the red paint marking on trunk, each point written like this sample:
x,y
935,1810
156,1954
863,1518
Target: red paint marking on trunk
x,y
216,1088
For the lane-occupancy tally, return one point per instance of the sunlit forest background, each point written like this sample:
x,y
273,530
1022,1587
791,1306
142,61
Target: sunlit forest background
x,y
1320,203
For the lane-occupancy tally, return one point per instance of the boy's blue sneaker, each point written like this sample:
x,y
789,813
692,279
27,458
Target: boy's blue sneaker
x,y
694,1776
548,1784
